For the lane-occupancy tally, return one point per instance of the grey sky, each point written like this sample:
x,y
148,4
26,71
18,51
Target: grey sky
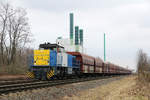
x,y
125,22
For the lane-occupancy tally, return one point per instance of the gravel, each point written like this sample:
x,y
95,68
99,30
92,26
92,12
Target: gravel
x,y
57,92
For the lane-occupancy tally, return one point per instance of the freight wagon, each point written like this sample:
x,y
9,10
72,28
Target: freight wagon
x,y
98,67
86,62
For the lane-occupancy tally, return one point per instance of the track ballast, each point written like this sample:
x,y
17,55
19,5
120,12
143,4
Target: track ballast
x,y
21,85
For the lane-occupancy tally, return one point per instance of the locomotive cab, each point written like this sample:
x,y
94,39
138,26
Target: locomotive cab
x,y
46,54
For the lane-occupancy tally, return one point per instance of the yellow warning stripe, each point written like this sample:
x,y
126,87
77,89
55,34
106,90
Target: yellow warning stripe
x,y
50,74
30,74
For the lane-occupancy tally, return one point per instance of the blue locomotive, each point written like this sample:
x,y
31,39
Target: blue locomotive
x,y
51,61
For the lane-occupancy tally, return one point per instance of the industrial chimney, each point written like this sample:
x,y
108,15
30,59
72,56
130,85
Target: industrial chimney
x,y
77,38
76,35
71,28
81,36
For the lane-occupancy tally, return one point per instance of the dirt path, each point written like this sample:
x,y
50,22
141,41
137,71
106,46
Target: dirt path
x,y
117,90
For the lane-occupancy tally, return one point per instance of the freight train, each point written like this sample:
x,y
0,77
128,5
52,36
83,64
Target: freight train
x,y
51,61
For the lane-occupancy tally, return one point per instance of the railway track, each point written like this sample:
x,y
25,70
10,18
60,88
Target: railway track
x,y
4,82
9,87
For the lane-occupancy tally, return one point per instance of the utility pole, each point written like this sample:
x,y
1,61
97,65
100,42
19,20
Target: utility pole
x,y
104,48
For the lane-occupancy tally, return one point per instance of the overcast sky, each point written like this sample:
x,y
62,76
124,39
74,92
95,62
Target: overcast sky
x,y
125,22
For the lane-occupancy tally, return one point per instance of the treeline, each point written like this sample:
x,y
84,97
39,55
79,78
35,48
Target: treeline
x,y
15,35
143,67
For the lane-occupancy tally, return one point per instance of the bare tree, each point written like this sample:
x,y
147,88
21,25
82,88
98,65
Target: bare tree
x,y
142,61
143,66
19,32
15,32
4,14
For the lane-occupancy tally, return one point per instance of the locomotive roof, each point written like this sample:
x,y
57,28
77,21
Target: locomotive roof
x,y
81,54
50,46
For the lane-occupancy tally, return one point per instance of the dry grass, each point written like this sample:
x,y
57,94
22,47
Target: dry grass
x,y
141,90
125,89
20,66
13,69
